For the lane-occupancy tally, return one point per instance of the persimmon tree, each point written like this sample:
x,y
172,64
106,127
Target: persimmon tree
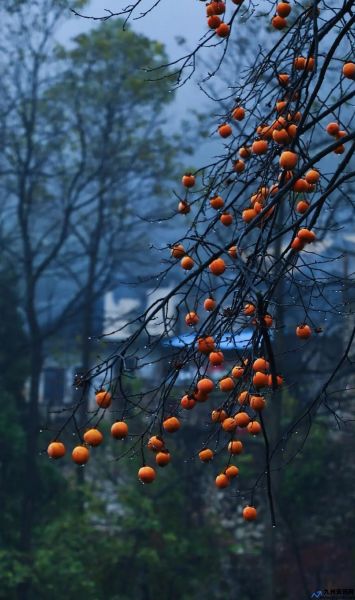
x,y
259,254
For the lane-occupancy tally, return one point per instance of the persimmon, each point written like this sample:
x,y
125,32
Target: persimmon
x,y
235,447
200,396
260,364
349,70
332,128
280,136
238,113
188,180
184,207
206,455
216,202
220,7
312,176
306,235
249,513
280,105
187,263
178,251
254,427
171,424
288,160
229,424
223,30
206,345
155,443
259,147
162,458
56,450
244,152
119,430
279,22
80,455
300,186
292,130
226,384
187,402
103,398
147,474
303,331
257,403
297,244
225,130
238,372
302,207
231,471
279,381
283,78
213,21
299,63
191,318
217,266
239,166
249,309
93,437
218,415
222,481
283,9
205,385
209,304
260,379
248,215
233,251
243,398
216,358
242,419
339,149
267,320
210,9
226,219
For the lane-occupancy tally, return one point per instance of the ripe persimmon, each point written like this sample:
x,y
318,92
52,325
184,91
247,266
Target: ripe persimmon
x,y
257,403
238,372
288,160
206,455
93,437
223,30
222,481
103,398
231,471
218,415
260,379
235,447
279,22
303,331
242,419
205,385
226,384
206,345
56,450
260,364
225,130
254,427
249,309
187,402
332,128
238,113
239,166
162,458
312,176
283,9
187,263
119,430
283,78
249,513
297,244
147,474
226,219
188,180
229,424
155,443
191,318
300,186
217,266
248,215
209,304
171,424
80,455
306,235
243,398
302,207
244,152
213,21
184,207
178,251
216,358
216,202
349,70
233,251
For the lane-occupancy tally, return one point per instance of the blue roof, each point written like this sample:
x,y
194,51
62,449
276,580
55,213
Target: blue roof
x,y
228,341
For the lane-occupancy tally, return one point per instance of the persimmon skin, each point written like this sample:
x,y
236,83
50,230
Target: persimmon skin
x,y
188,180
242,419
222,481
80,455
260,364
226,384
235,447
238,372
218,416
171,424
225,130
187,263
178,251
249,513
306,235
162,458
119,430
279,22
216,358
283,9
213,21
191,318
217,266
187,402
303,331
206,455
155,443
239,166
103,399
260,379
332,128
56,450
223,30
302,207
231,471
209,304
93,437
254,428
205,385
257,403
349,70
238,113
146,474
226,219
217,202
229,424
259,147
288,160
